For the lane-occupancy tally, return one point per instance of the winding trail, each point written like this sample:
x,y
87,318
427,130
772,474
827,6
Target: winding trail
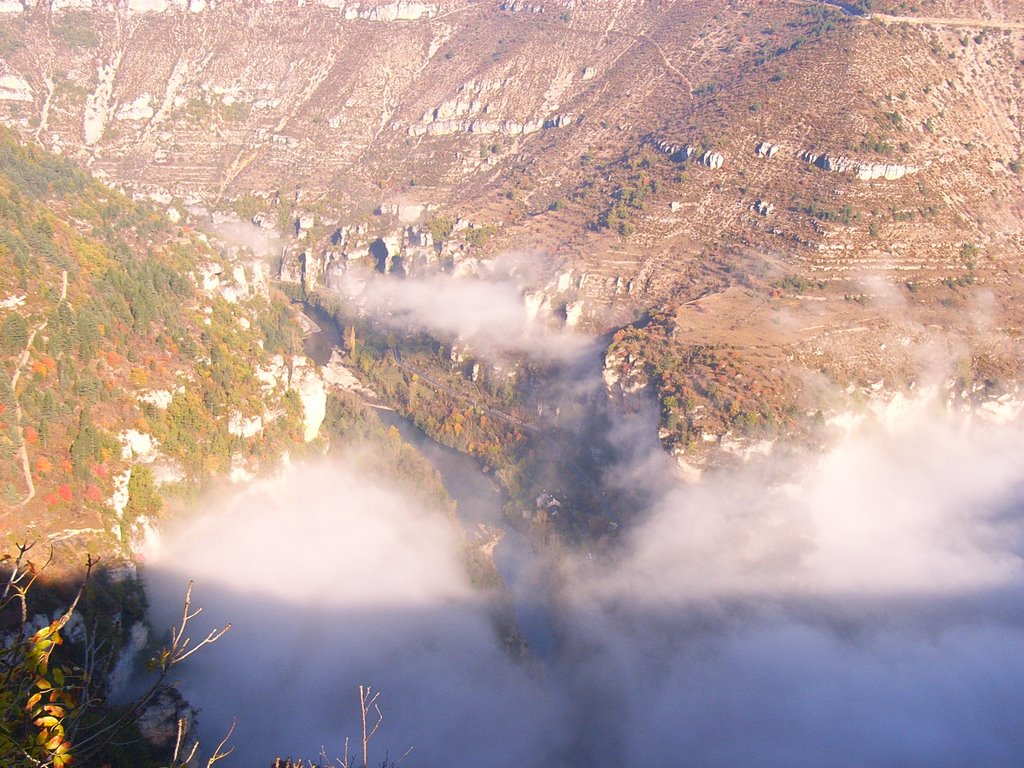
x,y
937,21
664,60
26,466
917,21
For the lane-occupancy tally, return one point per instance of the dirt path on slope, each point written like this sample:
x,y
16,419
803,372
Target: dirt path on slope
x,y
936,21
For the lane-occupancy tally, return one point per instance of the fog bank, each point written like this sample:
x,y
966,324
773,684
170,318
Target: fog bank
x,y
871,612
332,582
489,312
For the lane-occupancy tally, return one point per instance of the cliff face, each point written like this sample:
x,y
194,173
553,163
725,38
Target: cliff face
x,y
850,179
527,116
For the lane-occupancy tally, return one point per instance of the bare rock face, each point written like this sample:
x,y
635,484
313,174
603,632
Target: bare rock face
x,y
158,723
713,160
865,171
491,112
14,88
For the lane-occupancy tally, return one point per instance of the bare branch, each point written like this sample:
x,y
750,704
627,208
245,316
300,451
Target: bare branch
x,y
218,754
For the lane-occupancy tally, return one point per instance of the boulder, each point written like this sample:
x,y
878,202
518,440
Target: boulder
x,y
713,160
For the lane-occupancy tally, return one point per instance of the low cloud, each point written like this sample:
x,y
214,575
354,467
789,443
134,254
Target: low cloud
x,y
262,242
332,581
489,313
870,611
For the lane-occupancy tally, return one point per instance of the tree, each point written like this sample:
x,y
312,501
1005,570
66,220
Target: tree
x,y
13,334
84,445
143,499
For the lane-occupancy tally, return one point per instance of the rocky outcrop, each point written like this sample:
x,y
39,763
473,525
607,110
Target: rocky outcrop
x,y
887,171
518,6
573,313
403,10
864,171
763,207
766,150
473,110
713,160
237,282
140,109
407,213
624,374
480,127
558,121
300,375
14,88
336,374
138,446
679,153
240,425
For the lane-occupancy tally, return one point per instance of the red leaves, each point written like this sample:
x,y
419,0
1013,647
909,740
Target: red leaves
x,y
63,494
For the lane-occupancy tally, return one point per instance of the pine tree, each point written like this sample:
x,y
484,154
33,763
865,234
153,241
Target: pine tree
x,y
84,446
13,334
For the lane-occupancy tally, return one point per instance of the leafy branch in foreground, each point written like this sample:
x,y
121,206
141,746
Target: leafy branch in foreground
x,y
53,712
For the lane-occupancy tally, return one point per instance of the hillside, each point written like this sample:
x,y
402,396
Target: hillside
x,y
828,194
126,381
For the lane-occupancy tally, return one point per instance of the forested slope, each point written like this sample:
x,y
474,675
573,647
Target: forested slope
x,y
122,370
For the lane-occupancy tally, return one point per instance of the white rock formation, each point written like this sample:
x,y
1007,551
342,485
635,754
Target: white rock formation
x,y
97,103
713,160
573,313
244,426
13,301
14,88
140,109
889,172
137,445
303,377
864,171
534,301
61,5
160,398
337,375
403,10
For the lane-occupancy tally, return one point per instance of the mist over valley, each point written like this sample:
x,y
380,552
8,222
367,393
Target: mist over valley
x,y
527,384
